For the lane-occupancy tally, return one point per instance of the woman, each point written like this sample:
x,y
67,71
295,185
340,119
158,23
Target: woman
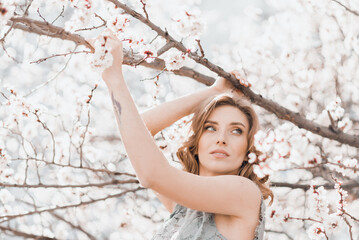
x,y
218,196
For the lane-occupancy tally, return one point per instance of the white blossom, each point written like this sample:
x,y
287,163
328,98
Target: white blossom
x,y
102,58
337,112
341,197
252,157
82,17
332,223
6,197
300,54
316,232
7,9
189,23
174,60
148,51
319,201
118,23
6,174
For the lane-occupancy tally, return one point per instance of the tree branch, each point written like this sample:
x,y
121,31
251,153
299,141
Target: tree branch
x,y
279,232
99,185
159,64
47,29
165,48
77,167
5,218
78,227
346,8
280,111
305,187
23,234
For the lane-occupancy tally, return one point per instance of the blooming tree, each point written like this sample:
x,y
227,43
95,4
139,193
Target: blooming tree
x,y
64,173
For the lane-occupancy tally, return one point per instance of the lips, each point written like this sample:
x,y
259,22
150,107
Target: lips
x,y
219,153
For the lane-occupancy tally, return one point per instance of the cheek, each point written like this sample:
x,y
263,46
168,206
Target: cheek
x,y
242,147
203,140
203,143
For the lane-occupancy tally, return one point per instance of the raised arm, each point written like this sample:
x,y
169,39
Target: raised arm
x,y
164,115
228,194
167,113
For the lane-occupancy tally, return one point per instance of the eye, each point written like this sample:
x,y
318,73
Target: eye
x,y
209,128
237,131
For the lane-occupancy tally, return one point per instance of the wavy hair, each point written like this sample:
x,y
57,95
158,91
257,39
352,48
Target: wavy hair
x,y
187,153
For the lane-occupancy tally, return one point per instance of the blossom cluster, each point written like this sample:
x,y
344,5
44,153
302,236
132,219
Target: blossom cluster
x,y
17,109
7,9
174,59
118,23
348,167
82,16
5,170
336,111
102,57
189,24
299,56
324,223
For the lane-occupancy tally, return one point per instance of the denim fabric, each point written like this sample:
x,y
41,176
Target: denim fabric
x,y
188,224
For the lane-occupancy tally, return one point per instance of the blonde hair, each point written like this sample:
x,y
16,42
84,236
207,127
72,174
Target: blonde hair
x,y
187,153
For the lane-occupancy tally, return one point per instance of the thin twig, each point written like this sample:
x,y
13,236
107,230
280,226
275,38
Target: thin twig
x,y
155,77
76,167
60,15
78,227
57,55
333,125
306,187
27,8
98,185
104,23
24,234
200,47
280,111
38,11
350,228
144,8
6,218
346,8
44,125
94,27
51,79
3,47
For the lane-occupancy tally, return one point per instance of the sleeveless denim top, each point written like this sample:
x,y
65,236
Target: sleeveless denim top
x,y
188,224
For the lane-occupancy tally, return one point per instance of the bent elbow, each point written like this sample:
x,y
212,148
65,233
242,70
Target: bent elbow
x,y
144,183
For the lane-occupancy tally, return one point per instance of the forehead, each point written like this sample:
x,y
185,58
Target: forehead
x,y
228,114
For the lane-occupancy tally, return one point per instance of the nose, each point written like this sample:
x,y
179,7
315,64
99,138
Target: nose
x,y
221,138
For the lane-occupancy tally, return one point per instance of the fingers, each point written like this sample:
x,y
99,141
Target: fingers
x,y
242,81
112,37
108,38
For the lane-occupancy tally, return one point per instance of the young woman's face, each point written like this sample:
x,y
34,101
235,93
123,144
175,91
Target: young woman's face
x,y
223,144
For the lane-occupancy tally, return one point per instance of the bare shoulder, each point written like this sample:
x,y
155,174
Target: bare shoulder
x,y
225,194
249,196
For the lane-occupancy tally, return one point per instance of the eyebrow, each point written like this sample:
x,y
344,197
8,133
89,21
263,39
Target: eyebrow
x,y
232,123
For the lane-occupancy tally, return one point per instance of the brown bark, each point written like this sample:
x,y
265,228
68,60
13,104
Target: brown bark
x,y
43,28
280,111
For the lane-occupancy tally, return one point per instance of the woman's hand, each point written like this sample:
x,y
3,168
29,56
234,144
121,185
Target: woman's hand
x,y
107,43
223,85
116,47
